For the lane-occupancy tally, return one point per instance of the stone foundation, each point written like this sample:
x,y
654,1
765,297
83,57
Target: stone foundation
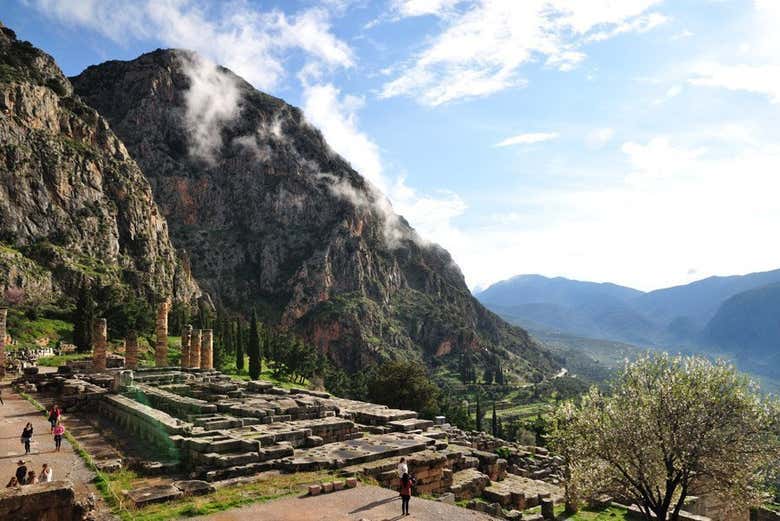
x,y
54,501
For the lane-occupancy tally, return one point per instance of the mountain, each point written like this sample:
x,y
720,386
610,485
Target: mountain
x,y
74,205
737,314
558,304
696,303
748,325
273,219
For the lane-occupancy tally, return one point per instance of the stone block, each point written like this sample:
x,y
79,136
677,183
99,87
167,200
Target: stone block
x,y
194,487
154,494
338,485
351,482
314,490
327,487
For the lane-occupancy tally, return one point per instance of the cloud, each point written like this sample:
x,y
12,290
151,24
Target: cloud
x,y
211,101
527,139
758,79
756,67
336,115
252,43
483,47
677,202
599,137
412,8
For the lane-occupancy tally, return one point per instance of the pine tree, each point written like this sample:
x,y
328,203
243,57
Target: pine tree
x,y
254,348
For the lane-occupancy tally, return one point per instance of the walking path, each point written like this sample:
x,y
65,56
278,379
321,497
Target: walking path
x,y
361,503
65,464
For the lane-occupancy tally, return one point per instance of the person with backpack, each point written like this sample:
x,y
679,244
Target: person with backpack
x,y
21,472
54,416
407,482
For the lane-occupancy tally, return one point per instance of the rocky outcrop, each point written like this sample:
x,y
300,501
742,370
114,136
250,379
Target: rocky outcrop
x,y
272,218
73,203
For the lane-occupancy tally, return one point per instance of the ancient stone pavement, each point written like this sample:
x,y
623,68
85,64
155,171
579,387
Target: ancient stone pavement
x,y
361,503
14,415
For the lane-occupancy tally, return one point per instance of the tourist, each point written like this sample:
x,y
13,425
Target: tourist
x,y
58,431
54,416
1,396
402,468
46,473
13,483
21,472
406,493
27,434
32,479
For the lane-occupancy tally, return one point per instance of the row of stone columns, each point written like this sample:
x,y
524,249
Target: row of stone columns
x,y
197,348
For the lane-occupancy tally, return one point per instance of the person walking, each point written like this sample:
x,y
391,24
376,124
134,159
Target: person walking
x,y
1,396
54,416
21,472
13,482
46,473
32,479
27,434
58,431
406,493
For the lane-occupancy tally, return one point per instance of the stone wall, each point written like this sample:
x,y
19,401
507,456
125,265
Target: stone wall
x,y
54,501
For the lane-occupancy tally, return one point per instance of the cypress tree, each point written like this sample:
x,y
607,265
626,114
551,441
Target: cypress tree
x,y
254,348
82,319
479,414
239,345
494,422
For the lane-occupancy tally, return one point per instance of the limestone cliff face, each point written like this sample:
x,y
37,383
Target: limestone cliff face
x,y
73,203
271,217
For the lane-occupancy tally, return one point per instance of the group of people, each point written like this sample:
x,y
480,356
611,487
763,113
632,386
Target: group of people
x,y
407,482
25,477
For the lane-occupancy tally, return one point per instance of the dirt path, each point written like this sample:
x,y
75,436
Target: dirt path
x,y
66,464
361,503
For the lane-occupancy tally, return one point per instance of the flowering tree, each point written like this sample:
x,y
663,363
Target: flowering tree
x,y
669,428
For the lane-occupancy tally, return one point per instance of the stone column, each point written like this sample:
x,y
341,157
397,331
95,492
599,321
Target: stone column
x,y
131,350
161,345
99,337
195,349
186,334
3,315
206,350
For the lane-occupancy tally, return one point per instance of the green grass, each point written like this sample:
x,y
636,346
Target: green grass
x,y
608,514
276,487
27,331
265,374
58,360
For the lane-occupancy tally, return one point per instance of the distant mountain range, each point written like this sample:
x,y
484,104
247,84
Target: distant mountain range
x,y
739,315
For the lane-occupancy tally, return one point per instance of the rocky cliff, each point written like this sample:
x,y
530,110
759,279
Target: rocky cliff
x,y
73,203
272,218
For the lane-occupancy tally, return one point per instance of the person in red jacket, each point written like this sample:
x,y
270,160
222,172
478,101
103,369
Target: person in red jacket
x,y
407,482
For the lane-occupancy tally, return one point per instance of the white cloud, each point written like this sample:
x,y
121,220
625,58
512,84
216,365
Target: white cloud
x,y
211,101
336,116
674,206
250,42
527,139
483,47
758,79
599,137
755,68
640,24
411,8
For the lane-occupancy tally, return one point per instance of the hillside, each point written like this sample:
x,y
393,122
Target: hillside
x,y
272,218
748,324
74,206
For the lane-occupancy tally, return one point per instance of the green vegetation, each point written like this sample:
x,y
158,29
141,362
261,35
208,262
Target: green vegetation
x,y
670,425
29,326
263,490
58,360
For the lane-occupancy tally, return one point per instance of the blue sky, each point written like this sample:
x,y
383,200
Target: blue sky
x,y
631,141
